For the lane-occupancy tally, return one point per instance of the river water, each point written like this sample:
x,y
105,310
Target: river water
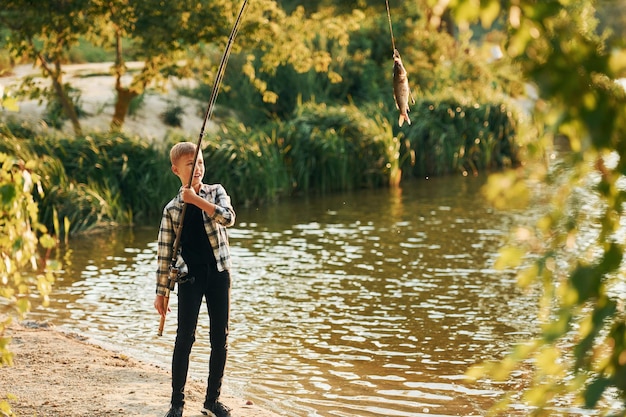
x,y
371,303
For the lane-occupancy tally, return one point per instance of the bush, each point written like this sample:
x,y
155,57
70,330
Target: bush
x,y
447,137
248,163
55,114
110,178
332,148
173,115
22,269
96,180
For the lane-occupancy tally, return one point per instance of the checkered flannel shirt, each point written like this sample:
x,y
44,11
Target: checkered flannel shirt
x,y
215,227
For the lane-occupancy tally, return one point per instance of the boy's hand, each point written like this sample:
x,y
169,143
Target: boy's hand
x,y
159,304
189,194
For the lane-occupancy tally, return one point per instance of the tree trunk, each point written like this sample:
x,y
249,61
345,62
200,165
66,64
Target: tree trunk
x,y
61,93
68,106
124,97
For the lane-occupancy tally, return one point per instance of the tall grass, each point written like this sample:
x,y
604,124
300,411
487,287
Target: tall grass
x,y
95,180
135,173
447,137
249,163
331,148
100,179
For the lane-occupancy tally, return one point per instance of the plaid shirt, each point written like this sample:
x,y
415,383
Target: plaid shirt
x,y
215,227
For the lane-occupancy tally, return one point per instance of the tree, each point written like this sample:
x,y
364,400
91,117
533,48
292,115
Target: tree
x,y
286,57
44,32
168,34
574,253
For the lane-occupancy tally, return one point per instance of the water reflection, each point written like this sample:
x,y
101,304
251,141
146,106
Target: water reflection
x,y
363,304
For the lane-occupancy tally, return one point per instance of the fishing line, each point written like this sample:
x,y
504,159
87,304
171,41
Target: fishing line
x,y
393,42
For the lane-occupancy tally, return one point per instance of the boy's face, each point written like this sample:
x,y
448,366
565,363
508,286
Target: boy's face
x,y
182,168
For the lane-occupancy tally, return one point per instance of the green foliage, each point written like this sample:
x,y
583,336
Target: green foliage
x,y
136,104
322,149
7,102
44,33
55,115
85,51
288,57
574,252
96,180
53,34
248,163
324,52
172,116
23,271
448,137
335,148
352,63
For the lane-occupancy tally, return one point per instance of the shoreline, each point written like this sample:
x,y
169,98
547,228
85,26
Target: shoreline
x,y
55,373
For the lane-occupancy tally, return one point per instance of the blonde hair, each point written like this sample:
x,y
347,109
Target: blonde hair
x,y
182,149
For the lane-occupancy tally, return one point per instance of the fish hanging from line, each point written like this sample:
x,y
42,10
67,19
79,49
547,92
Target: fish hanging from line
x,y
401,90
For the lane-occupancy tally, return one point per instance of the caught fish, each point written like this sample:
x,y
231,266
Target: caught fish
x,y
401,90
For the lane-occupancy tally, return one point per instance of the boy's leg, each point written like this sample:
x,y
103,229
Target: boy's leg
x,y
189,300
218,303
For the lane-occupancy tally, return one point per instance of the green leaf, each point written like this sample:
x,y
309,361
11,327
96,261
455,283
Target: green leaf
x,y
510,257
489,12
467,10
612,258
7,193
593,392
23,306
47,241
586,280
10,104
527,276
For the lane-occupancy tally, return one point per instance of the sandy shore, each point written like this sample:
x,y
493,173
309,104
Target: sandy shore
x,y
61,375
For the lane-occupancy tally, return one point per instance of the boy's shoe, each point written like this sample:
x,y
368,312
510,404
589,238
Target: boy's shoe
x,y
175,412
216,409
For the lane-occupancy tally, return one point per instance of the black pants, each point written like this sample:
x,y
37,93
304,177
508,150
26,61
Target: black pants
x,y
215,287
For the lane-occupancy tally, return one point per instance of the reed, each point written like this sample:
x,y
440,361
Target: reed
x,y
332,148
128,167
102,179
249,163
447,137
95,180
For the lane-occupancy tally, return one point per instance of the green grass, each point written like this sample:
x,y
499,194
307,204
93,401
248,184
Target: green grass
x,y
105,178
95,180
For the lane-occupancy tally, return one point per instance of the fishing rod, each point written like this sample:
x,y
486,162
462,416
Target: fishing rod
x,y
174,271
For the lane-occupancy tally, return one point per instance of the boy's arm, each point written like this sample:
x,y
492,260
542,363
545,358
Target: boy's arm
x,y
164,252
221,211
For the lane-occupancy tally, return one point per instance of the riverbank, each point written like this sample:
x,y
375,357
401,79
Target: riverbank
x,y
57,374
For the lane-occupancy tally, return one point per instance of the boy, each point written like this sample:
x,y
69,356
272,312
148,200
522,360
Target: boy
x,y
205,252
